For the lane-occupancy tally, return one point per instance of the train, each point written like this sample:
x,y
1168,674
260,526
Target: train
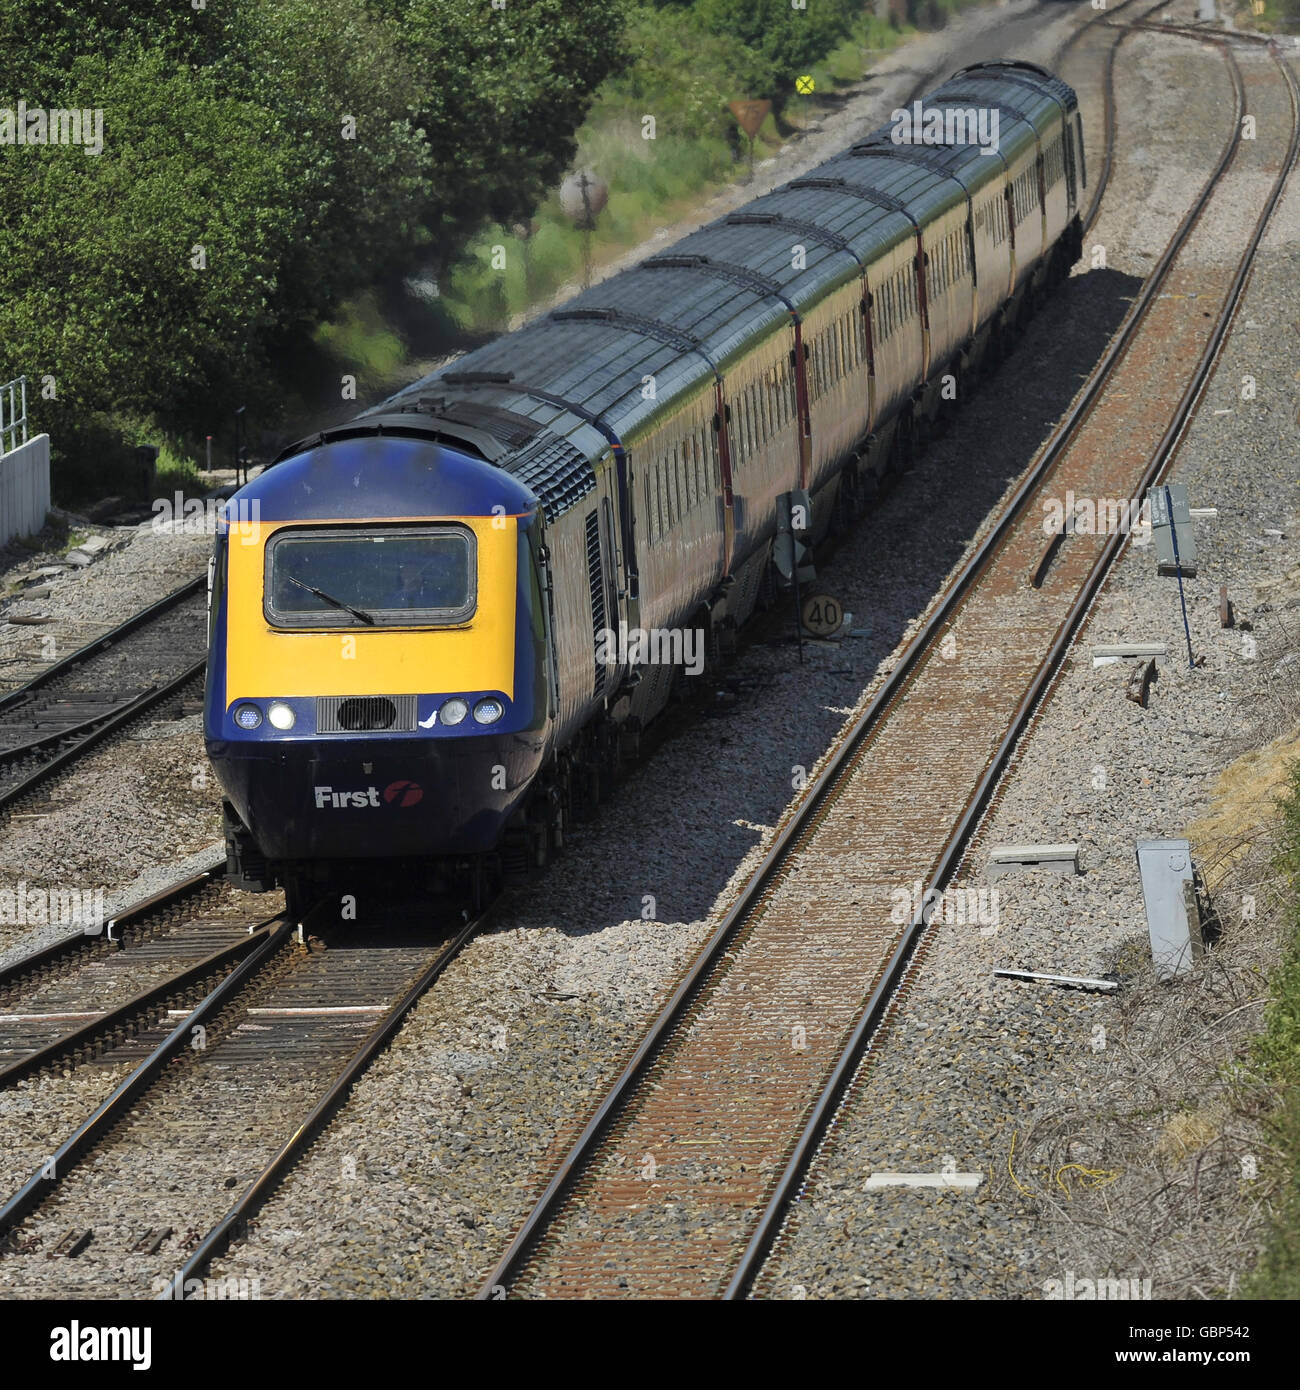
x,y
439,629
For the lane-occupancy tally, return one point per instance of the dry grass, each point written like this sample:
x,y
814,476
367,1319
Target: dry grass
x,y
1171,1165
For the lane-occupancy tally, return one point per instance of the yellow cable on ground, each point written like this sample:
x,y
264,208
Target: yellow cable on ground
x,y
1092,1178
1011,1170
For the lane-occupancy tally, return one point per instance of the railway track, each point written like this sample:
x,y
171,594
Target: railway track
x,y
58,716
681,1178
91,990
140,1196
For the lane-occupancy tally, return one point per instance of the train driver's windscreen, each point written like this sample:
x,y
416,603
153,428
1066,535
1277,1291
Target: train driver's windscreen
x,y
391,576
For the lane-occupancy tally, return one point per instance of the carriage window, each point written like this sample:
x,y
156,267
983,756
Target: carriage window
x,y
381,576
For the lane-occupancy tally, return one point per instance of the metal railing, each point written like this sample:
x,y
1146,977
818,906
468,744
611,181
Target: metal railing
x,y
15,418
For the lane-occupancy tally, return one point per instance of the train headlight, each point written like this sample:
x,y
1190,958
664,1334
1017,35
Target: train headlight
x,y
281,715
488,711
453,711
248,716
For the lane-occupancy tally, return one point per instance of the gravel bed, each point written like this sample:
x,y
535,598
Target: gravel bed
x,y
34,1113
140,565
973,1061
140,812
448,1134
143,659
208,1127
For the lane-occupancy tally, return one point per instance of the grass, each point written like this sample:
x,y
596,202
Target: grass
x,y
1277,1275
1268,16
684,80
363,342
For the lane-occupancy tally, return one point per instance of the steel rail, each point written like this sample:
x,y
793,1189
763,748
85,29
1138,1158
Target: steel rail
x,y
16,752
266,941
13,975
124,1014
711,953
235,1222
789,1185
110,724
92,649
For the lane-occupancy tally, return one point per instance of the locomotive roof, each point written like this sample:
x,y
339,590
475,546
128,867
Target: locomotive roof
x,y
368,476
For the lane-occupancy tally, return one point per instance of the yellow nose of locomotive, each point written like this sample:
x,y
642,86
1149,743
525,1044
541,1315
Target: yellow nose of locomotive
x,y
339,609
373,686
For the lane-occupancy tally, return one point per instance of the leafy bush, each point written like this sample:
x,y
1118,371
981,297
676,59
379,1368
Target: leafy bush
x,y
264,162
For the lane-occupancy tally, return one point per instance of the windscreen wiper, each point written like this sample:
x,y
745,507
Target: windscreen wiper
x,y
332,601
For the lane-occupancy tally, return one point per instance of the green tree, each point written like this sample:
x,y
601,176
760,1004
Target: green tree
x,y
499,93
263,161
253,174
784,40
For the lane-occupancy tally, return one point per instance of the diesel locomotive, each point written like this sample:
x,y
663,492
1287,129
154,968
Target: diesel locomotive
x,y
410,613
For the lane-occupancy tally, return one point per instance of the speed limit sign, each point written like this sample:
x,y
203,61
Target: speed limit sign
x,y
821,615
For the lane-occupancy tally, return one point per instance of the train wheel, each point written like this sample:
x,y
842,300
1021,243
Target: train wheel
x,y
593,785
611,759
947,407
847,502
295,896
539,849
900,449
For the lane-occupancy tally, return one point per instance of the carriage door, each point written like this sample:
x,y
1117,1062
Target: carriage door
x,y
1071,172
604,583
